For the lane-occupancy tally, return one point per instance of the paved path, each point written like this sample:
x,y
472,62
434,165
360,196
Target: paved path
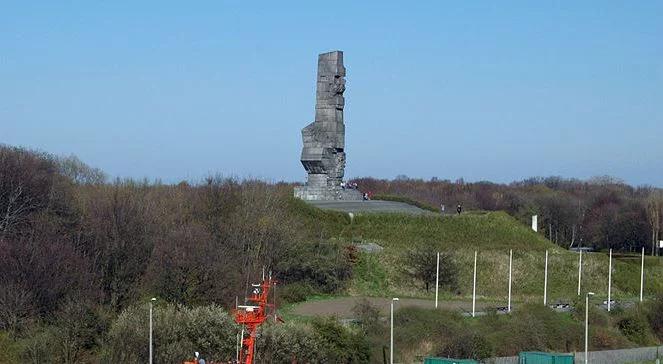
x,y
342,306
369,206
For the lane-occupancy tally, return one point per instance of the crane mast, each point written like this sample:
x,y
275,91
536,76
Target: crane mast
x,y
253,315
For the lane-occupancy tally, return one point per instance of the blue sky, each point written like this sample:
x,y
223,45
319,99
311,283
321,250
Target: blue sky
x,y
494,91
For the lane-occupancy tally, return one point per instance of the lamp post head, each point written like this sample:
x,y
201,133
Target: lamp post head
x,y
590,293
395,299
153,299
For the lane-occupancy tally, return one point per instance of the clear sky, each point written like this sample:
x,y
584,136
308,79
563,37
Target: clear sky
x,y
495,90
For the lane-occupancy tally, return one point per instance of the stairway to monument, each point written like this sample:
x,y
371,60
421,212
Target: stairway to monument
x,y
373,206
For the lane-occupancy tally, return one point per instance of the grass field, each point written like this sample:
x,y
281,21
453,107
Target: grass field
x,y
492,234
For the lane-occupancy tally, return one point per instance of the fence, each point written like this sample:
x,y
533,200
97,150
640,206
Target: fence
x,y
600,357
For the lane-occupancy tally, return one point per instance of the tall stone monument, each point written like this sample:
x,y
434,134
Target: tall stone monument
x,y
323,154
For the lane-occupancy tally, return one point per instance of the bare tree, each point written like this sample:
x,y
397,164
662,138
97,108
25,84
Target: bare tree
x,y
26,180
80,172
654,206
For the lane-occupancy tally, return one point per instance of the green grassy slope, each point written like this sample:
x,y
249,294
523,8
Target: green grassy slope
x,y
492,234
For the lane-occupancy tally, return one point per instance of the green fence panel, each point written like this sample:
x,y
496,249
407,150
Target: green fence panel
x,y
449,361
535,357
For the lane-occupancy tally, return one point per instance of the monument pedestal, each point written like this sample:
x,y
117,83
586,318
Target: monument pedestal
x,y
327,193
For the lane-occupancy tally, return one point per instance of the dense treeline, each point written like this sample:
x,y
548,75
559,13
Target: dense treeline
x,y
77,251
602,212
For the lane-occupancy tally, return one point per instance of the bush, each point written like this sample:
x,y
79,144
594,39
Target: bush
x,y
367,315
339,344
603,338
38,345
324,340
178,332
471,345
289,342
422,263
635,327
369,274
536,327
322,265
655,317
77,327
10,351
295,292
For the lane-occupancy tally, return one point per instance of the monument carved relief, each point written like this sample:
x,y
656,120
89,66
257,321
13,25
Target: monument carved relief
x,y
323,153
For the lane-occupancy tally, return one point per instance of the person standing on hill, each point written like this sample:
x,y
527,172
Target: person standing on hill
x,y
459,209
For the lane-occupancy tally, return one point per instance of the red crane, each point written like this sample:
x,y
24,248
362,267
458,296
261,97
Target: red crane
x,y
252,316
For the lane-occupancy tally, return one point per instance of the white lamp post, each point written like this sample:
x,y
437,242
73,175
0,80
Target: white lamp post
x,y
508,307
579,271
474,285
391,340
587,326
642,273
151,302
609,278
545,281
437,278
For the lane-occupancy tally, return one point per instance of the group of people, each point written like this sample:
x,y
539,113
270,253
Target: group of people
x,y
459,208
350,185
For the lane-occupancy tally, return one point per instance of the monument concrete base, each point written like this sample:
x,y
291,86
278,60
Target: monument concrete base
x,y
324,193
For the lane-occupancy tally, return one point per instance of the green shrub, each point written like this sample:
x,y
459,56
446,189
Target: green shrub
x,y
536,327
39,345
339,344
295,292
369,275
655,317
323,265
9,352
178,332
635,327
323,340
421,264
367,315
469,345
289,342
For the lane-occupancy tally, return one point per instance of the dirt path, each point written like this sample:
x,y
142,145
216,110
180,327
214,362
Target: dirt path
x,y
342,306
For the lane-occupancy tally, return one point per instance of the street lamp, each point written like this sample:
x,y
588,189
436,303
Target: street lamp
x,y
587,326
391,340
151,302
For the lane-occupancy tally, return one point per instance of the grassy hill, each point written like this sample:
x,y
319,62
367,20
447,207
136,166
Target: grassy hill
x,y
492,234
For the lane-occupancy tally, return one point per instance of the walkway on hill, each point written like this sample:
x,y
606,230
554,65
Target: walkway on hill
x,y
373,206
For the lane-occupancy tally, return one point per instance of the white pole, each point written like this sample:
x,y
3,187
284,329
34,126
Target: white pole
x,y
642,273
579,271
508,309
241,344
474,285
609,278
545,282
437,278
151,301
587,326
391,337
237,348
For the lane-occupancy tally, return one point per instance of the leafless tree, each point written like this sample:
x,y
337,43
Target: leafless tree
x,y
654,206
